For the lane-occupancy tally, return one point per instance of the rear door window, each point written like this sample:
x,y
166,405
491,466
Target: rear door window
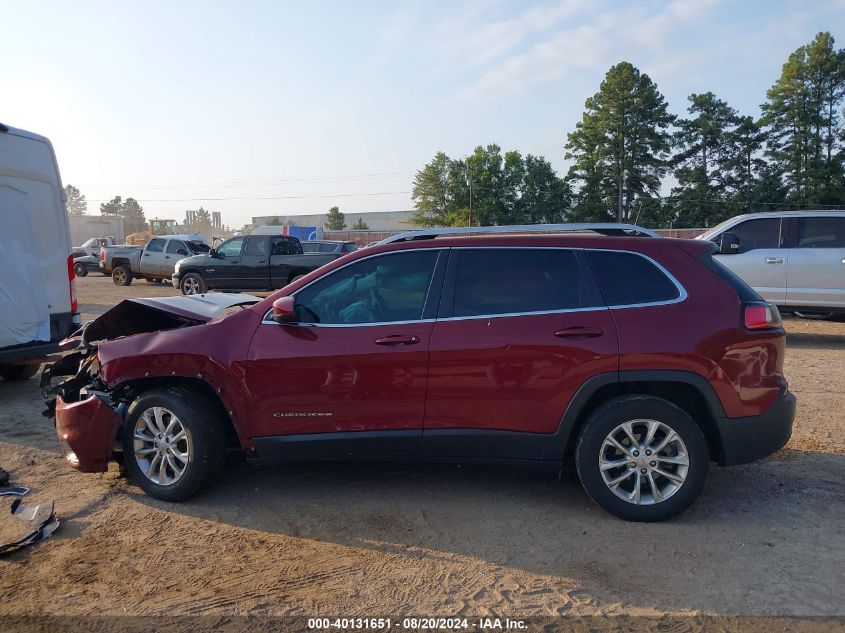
x,y
175,247
821,232
501,281
256,246
630,279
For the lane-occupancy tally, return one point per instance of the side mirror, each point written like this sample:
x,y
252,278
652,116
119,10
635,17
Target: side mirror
x,y
182,251
728,243
284,310
213,253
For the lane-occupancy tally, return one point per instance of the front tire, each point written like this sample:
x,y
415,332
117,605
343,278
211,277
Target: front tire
x,y
80,270
642,458
193,284
122,275
18,372
173,443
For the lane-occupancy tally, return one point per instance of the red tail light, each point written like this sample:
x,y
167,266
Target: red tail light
x,y
102,255
761,316
71,279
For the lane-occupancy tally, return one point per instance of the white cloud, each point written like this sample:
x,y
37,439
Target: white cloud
x,y
542,44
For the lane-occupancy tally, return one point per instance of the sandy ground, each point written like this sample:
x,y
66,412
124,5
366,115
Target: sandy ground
x,y
369,539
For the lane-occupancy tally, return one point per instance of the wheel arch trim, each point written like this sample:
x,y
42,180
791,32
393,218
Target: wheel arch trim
x,y
579,406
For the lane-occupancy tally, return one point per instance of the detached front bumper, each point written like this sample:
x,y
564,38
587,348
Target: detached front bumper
x,y
748,439
87,430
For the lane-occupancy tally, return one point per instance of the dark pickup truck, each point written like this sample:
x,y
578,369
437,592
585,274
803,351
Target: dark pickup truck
x,y
251,262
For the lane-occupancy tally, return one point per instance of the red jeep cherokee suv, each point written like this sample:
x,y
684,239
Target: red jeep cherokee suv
x,y
641,358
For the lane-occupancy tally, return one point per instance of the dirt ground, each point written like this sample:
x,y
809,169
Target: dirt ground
x,y
374,539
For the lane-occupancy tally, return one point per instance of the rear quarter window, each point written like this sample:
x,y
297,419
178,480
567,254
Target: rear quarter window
x,y
630,279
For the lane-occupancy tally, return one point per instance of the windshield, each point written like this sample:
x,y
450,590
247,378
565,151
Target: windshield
x,y
709,233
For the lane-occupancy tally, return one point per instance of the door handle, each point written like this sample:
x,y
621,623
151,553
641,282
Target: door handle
x,y
146,254
167,257
261,261
579,332
398,339
774,260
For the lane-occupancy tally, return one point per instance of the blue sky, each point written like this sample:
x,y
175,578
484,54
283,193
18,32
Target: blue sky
x,y
291,107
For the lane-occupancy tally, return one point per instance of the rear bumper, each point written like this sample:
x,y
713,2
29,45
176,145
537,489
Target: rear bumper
x,y
86,432
748,439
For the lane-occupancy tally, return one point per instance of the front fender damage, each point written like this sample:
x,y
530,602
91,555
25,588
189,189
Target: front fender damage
x,y
88,413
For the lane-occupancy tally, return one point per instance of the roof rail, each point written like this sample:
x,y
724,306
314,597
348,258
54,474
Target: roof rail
x,y
604,228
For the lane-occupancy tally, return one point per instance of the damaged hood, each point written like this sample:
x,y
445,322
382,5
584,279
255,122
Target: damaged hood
x,y
134,316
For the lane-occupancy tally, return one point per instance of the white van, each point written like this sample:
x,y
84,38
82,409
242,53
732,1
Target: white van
x,y
38,305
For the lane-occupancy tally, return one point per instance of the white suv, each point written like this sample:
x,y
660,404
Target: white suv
x,y
795,259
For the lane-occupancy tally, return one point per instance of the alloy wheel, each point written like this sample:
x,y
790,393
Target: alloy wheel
x,y
162,446
191,286
643,462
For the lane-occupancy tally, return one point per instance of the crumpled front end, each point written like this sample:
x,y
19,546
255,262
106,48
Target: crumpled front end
x,y
87,429
87,411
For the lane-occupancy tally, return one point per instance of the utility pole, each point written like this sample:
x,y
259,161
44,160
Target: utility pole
x,y
469,177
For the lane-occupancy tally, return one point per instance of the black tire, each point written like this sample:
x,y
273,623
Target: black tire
x,y
605,419
122,275
204,430
80,270
193,284
18,372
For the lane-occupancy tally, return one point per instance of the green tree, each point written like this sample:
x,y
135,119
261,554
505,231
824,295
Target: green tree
x,y
129,209
745,167
620,149
274,222
335,220
488,188
133,215
544,196
802,116
702,161
438,198
360,225
76,204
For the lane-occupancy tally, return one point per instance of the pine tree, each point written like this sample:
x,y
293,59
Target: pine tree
x,y
803,123
702,161
621,147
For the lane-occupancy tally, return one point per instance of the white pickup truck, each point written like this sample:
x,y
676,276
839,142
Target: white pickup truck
x,y
92,246
155,261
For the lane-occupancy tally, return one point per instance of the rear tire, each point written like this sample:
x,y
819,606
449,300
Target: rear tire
x,y
664,480
176,427
122,275
193,284
18,372
79,270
